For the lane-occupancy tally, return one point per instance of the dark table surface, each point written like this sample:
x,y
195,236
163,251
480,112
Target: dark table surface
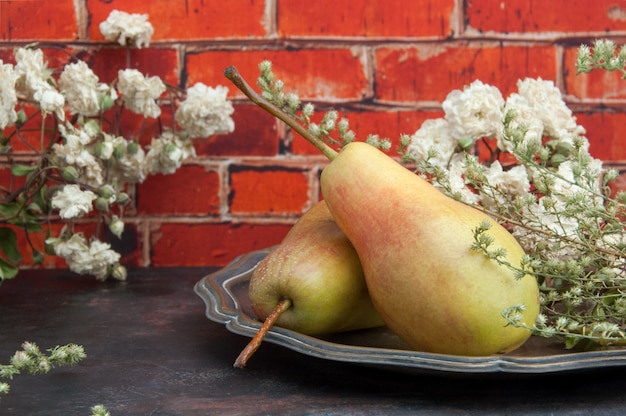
x,y
151,351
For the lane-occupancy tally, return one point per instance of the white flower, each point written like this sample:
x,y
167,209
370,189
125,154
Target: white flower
x,y
139,93
508,185
167,153
127,29
433,143
74,152
72,201
206,111
545,98
51,101
95,258
8,95
82,90
33,80
475,112
131,167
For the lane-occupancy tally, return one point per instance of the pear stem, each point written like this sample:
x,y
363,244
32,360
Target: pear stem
x,y
255,342
235,77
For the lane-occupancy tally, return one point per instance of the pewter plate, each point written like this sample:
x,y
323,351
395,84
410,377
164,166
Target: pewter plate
x,y
225,294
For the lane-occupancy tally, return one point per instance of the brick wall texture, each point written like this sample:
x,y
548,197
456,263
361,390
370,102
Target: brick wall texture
x,y
384,64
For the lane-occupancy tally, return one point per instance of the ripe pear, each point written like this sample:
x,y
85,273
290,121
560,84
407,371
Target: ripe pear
x,y
318,270
430,287
311,283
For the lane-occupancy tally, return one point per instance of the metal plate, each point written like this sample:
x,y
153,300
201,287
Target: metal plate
x,y
225,294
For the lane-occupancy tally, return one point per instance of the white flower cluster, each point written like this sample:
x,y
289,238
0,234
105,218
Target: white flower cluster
x,y
206,111
94,165
127,29
442,148
88,257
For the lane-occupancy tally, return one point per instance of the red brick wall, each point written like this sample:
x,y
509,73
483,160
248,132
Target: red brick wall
x,y
386,65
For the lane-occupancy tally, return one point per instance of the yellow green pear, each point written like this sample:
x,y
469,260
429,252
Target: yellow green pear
x,y
317,269
415,243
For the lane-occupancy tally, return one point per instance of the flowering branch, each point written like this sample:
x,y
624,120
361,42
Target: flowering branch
x,y
84,166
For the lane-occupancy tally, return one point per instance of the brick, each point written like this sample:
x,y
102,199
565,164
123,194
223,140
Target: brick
x,y
598,84
378,18
256,134
191,190
38,20
267,190
179,244
514,16
187,19
429,73
162,62
605,131
309,73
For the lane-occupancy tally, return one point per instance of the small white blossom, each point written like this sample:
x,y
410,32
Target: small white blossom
x,y
166,153
475,112
8,95
95,258
433,142
206,111
75,152
546,99
127,29
131,167
508,185
72,201
140,93
82,89
33,79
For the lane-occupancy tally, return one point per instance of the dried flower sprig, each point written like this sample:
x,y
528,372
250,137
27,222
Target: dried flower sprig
x,y
603,55
290,103
84,163
30,359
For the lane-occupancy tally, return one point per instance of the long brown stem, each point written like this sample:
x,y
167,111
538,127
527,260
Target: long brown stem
x,y
235,77
255,342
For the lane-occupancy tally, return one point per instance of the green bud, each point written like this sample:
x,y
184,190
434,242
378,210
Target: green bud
x,y
21,117
465,143
122,198
116,227
106,102
557,159
132,148
102,204
69,173
119,272
106,191
118,152
564,149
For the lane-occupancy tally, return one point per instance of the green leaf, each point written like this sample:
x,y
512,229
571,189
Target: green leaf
x,y
9,210
7,270
8,245
22,170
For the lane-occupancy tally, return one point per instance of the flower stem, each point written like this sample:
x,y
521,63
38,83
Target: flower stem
x,y
235,77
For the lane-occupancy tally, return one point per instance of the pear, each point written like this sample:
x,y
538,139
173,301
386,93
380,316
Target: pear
x,y
415,246
312,283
